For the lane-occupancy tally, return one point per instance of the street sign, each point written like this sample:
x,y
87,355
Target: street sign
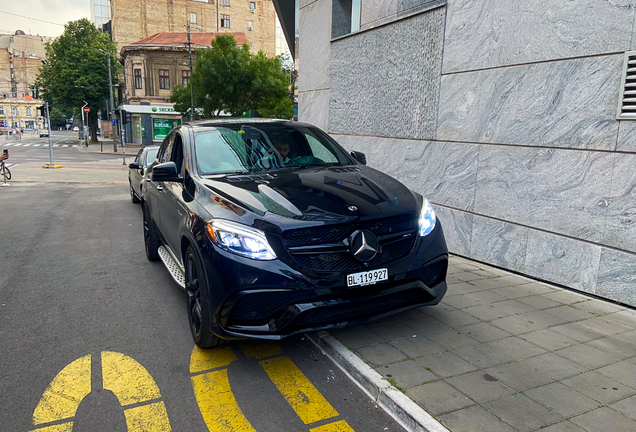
x,y
87,110
114,122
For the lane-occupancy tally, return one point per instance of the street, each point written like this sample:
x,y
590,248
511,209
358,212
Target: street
x,y
95,337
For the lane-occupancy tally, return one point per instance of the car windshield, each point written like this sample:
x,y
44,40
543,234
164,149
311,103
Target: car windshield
x,y
244,148
151,156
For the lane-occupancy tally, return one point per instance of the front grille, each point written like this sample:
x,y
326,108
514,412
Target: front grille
x,y
338,232
339,261
360,309
343,260
431,275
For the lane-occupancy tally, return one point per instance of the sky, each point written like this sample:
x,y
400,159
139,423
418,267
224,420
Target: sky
x,y
55,11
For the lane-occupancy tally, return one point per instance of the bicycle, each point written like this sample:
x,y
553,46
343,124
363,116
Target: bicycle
x,y
5,173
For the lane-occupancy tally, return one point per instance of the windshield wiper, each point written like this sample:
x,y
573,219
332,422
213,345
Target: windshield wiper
x,y
226,173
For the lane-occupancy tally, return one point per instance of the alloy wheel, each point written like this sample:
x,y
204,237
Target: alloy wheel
x,y
193,289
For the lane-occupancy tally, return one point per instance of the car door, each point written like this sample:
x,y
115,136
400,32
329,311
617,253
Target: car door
x,y
174,210
136,174
156,196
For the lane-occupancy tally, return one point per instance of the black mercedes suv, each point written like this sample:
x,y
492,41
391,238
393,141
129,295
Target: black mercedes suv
x,y
272,229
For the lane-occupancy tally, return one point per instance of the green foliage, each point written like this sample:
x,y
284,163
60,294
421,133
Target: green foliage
x,y
230,78
57,117
77,71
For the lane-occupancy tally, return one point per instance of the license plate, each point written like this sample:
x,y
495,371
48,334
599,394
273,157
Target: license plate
x,y
367,278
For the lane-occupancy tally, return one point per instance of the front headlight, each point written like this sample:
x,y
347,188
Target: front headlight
x,y
240,239
427,218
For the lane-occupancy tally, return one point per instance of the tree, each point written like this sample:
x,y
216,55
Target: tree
x,y
76,71
230,78
59,114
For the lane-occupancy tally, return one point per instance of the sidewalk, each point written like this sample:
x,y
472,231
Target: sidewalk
x,y
131,149
71,172
504,353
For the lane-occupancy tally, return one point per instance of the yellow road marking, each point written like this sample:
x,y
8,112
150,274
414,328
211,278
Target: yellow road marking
x,y
64,427
339,426
303,397
63,396
127,379
260,349
217,403
206,359
148,418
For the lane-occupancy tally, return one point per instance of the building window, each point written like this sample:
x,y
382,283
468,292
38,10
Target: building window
x,y
164,79
1,110
15,112
29,113
185,78
250,25
252,6
251,45
225,21
345,17
193,18
225,2
138,81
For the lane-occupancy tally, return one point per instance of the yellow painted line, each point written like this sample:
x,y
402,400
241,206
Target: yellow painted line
x,y
127,379
148,418
339,426
217,403
64,427
260,349
299,392
64,394
206,359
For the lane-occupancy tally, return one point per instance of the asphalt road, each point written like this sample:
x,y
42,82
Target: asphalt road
x,y
75,282
35,149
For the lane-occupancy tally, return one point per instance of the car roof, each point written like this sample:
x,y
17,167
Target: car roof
x,y
246,121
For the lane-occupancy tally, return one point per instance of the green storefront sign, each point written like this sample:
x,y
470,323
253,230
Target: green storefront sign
x,y
162,127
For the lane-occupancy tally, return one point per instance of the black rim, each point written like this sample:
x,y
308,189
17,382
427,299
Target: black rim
x,y
193,289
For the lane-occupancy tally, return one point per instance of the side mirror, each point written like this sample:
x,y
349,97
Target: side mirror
x,y
166,172
134,165
360,157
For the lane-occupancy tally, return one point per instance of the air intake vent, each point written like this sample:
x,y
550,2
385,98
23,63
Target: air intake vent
x,y
627,100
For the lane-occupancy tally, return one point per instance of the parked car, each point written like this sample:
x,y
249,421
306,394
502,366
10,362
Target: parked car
x,y
75,129
273,229
137,169
44,133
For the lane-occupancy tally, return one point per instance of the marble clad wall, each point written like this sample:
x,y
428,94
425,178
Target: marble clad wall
x,y
503,114
484,34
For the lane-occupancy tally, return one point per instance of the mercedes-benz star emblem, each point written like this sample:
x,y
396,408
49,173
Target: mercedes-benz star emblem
x,y
352,208
364,245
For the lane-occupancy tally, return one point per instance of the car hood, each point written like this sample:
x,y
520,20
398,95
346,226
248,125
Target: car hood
x,y
328,195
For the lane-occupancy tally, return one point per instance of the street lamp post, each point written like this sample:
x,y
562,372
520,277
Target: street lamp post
x,y
190,61
111,113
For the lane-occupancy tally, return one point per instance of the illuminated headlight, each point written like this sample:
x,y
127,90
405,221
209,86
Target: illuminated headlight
x,y
427,218
240,239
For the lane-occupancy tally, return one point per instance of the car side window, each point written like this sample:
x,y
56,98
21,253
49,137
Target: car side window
x,y
177,152
138,157
165,153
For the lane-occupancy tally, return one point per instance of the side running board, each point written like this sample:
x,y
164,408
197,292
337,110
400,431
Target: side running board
x,y
176,270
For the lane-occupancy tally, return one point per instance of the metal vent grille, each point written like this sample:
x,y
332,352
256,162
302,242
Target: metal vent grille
x,y
627,99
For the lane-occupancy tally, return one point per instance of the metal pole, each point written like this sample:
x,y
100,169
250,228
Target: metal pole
x,y
112,102
48,122
83,125
123,141
190,78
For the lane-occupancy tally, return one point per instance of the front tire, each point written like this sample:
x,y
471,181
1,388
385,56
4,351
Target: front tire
x,y
151,238
199,302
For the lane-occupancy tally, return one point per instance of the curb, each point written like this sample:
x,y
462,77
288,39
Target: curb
x,y
399,406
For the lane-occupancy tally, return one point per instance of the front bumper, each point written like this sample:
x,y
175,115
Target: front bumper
x,y
273,300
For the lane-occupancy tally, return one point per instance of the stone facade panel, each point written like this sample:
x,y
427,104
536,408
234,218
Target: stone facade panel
x,y
491,33
314,46
313,108
499,243
617,276
570,103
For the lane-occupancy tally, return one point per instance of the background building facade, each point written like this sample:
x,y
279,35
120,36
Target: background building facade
x,y
21,56
131,22
152,67
100,12
503,115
